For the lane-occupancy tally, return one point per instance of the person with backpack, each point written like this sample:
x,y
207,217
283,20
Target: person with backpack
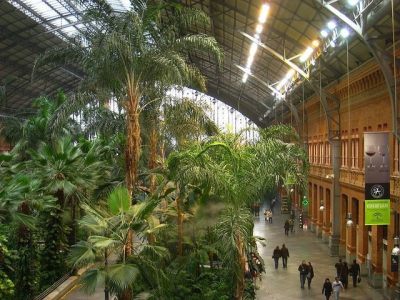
x,y
284,255
275,255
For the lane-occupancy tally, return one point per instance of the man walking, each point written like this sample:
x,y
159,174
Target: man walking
x,y
355,272
286,226
303,269
285,255
338,267
291,225
337,286
275,255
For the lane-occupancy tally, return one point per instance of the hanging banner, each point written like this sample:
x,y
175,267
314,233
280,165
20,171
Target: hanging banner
x,y
377,178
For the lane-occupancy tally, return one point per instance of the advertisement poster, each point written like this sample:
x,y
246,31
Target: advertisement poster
x,y
377,178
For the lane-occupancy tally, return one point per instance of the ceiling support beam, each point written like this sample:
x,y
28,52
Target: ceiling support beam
x,y
368,18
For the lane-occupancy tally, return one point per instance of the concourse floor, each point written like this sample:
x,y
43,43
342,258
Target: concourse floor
x,y
284,284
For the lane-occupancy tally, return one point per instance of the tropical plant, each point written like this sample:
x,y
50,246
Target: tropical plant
x,y
132,52
105,247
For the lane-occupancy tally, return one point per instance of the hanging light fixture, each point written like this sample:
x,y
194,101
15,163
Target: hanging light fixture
x,y
396,249
349,219
322,207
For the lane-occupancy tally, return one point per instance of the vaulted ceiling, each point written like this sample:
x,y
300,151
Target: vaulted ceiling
x,y
291,27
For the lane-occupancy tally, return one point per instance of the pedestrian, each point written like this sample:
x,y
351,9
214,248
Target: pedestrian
x,y
266,214
310,274
291,225
276,254
270,216
286,226
292,214
338,267
284,255
273,201
327,288
344,275
337,286
355,272
303,269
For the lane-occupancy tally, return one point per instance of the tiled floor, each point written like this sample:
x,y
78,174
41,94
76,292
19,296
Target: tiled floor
x,y
284,284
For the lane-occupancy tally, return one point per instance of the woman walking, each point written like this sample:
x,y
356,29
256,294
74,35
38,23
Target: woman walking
x,y
310,274
327,289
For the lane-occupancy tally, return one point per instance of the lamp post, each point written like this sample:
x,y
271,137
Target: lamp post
x,y
395,265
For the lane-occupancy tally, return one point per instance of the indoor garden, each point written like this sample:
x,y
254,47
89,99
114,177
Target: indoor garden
x,y
141,194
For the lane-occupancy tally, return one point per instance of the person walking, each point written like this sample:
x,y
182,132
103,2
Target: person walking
x,y
275,255
284,255
272,205
327,288
266,215
355,272
344,275
269,216
303,269
286,226
310,274
291,225
338,267
337,286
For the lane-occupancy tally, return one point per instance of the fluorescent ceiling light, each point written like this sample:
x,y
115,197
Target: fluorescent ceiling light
x,y
263,14
286,79
253,49
244,78
306,54
249,61
259,28
352,2
344,32
331,25
324,33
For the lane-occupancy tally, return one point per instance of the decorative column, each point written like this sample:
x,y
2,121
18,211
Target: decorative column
x,y
376,276
335,207
351,233
362,233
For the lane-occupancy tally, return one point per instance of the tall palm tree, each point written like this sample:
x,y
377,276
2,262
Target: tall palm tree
x,y
134,51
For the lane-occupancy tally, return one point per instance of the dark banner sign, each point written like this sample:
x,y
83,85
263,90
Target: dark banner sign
x,y
377,178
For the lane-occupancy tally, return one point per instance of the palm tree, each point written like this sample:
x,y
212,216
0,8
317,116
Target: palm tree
x,y
70,176
134,51
108,234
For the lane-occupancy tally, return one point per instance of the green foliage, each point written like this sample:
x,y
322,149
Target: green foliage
x,y
119,200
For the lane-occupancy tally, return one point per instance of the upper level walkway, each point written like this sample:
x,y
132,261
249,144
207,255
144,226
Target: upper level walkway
x,y
282,284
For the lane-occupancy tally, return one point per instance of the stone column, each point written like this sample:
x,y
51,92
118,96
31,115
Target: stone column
x,y
335,199
376,276
327,217
351,234
362,233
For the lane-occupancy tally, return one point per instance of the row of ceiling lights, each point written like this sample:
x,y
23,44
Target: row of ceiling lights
x,y
253,48
304,57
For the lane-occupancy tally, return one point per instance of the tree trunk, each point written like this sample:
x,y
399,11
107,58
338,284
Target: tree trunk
x,y
132,150
179,224
153,155
242,263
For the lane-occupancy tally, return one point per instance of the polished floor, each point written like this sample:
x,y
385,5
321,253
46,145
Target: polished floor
x,y
282,284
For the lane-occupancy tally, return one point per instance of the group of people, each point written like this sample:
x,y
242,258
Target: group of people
x,y
341,280
306,272
268,215
289,225
278,253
